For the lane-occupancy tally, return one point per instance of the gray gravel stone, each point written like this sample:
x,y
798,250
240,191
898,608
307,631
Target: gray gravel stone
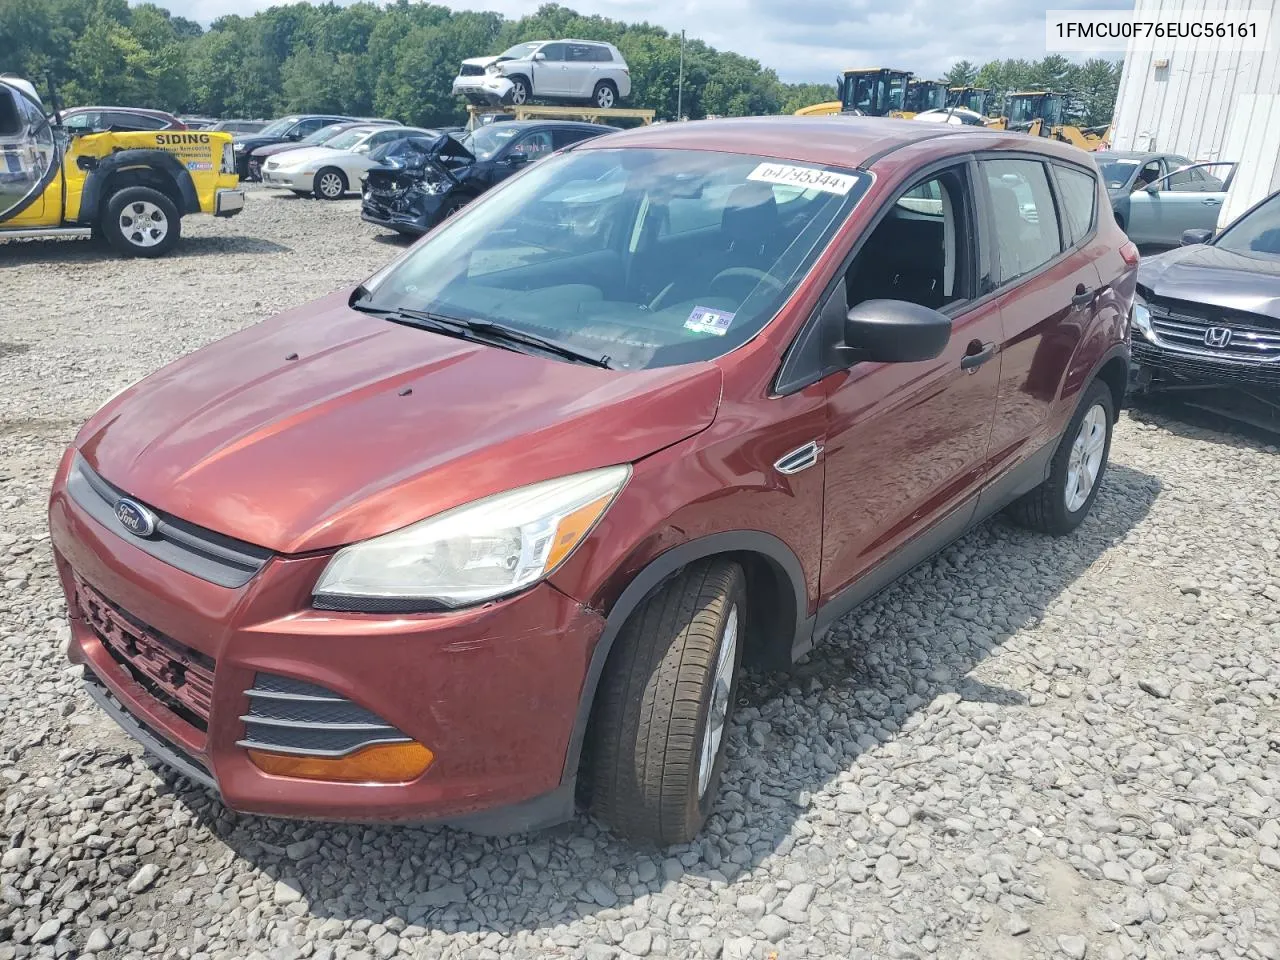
x,y
773,927
1073,946
144,878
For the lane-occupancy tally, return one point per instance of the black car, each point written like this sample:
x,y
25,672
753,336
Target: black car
x,y
1208,314
291,128
413,192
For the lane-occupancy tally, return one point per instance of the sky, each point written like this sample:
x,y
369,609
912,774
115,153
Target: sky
x,y
803,39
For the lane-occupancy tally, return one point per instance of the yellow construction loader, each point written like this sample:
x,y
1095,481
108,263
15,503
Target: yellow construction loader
x,y
1039,113
976,99
923,95
869,91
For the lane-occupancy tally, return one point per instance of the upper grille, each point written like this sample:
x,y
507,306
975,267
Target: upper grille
x,y
177,676
293,716
1186,327
470,70
200,552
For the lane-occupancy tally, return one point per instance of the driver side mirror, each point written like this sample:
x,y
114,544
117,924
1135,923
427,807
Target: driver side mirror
x,y
539,56
1152,188
515,158
293,135
1199,235
894,331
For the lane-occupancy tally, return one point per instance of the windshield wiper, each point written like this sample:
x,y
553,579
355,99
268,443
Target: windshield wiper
x,y
486,331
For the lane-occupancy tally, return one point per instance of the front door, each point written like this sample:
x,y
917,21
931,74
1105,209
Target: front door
x,y
551,72
1190,198
907,442
29,163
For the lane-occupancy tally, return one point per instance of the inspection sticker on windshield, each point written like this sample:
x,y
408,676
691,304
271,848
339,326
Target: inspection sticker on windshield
x,y
805,177
707,320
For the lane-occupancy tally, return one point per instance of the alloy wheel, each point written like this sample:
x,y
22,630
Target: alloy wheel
x,y
1085,460
331,185
143,223
721,686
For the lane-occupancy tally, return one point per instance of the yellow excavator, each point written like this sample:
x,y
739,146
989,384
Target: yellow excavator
x,y
969,98
1039,113
869,91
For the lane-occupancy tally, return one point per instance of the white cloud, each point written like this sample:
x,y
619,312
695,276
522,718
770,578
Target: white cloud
x,y
804,39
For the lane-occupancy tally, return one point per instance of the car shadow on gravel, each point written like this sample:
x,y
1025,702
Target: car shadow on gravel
x,y
1221,418
15,253
801,744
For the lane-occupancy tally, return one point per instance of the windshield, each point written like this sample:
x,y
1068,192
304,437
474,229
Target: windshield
x,y
278,128
486,141
1256,234
1024,109
345,141
323,135
1116,173
651,257
520,51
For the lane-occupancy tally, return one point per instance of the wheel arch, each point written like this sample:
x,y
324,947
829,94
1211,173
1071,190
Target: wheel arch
x,y
137,168
777,622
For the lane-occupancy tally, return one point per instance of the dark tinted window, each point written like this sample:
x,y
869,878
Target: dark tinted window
x,y
601,55
311,125
1023,214
1078,193
554,51
580,52
87,120
535,145
568,135
134,121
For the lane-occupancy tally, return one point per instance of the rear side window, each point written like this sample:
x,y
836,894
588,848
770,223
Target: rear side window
x,y
568,135
601,55
1025,221
135,121
1078,192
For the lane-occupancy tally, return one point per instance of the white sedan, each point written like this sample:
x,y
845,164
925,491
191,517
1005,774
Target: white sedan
x,y
330,170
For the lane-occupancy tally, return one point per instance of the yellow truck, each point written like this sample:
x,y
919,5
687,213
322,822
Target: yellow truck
x,y
131,189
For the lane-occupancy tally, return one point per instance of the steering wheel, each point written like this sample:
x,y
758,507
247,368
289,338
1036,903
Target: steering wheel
x,y
746,273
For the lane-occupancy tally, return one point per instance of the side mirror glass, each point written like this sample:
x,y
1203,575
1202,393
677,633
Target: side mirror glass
x,y
1191,237
515,158
539,56
894,331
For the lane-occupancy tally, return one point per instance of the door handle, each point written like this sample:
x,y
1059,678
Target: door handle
x,y
1211,202
977,354
1084,297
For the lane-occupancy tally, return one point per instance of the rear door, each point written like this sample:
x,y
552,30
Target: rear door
x,y
1047,287
581,70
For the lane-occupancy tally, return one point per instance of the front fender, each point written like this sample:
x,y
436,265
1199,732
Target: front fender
x,y
154,162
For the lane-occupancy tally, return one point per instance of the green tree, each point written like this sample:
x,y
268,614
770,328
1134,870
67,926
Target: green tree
x,y
962,74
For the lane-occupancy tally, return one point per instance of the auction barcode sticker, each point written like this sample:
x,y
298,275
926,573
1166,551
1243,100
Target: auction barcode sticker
x,y
805,177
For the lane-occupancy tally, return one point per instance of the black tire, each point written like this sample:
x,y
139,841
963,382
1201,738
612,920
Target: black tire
x,y
655,699
302,193
141,222
521,91
326,176
1045,508
605,90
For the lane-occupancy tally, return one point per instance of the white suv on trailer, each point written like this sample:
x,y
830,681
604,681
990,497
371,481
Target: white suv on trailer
x,y
570,71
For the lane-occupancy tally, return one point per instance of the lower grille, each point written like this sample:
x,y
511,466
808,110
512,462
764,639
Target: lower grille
x,y
292,716
1223,370
178,677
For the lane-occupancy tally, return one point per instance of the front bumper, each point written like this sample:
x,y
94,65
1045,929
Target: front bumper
x,y
493,692
1158,366
227,203
413,214
484,91
289,179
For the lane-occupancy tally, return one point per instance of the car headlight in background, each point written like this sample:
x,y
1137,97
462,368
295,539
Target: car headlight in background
x,y
1141,320
473,553
238,147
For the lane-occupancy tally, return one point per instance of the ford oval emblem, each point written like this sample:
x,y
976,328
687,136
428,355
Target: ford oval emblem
x,y
135,518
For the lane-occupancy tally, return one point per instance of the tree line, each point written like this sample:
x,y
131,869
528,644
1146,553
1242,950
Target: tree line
x,y
1089,89
399,60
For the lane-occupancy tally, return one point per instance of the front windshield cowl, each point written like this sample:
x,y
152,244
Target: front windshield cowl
x,y
651,257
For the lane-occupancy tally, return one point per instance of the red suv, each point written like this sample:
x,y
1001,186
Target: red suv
x,y
494,531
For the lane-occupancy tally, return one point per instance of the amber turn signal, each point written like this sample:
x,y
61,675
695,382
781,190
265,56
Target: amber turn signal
x,y
573,527
380,763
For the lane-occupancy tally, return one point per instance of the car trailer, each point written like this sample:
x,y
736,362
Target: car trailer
x,y
478,116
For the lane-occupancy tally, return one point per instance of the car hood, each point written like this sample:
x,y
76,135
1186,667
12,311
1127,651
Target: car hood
x,y
480,61
1207,274
324,426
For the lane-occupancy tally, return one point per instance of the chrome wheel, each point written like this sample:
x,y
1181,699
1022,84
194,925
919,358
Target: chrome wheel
x,y
330,185
1085,461
143,224
604,98
519,93
721,686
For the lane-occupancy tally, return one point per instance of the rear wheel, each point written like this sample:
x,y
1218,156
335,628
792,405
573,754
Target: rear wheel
x,y
141,222
1061,503
656,744
605,96
330,184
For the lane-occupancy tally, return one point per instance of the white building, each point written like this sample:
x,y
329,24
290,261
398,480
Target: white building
x,y
1209,100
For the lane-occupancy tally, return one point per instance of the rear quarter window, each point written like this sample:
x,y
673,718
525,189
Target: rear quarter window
x,y
1078,193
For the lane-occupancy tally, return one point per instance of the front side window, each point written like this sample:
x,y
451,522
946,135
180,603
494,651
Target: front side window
x,y
1025,221
87,120
1079,192
278,128
535,146
485,142
135,121
554,52
308,127
1256,234
576,250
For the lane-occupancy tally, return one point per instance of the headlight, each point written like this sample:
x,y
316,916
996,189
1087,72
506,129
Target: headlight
x,y
238,147
1142,319
473,553
493,70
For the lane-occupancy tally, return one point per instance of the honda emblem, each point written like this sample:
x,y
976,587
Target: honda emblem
x,y
1218,337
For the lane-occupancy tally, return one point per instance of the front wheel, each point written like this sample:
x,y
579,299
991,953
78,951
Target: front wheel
x,y
520,92
141,222
331,184
656,744
1061,503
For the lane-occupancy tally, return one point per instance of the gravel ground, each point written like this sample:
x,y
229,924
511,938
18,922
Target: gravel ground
x,y
1029,748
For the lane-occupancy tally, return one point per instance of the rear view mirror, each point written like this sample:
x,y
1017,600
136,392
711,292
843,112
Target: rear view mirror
x,y
895,331
1200,235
